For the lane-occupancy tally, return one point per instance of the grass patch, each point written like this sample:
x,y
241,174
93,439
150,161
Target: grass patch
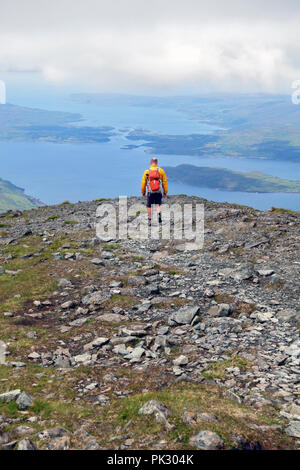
x,y
278,210
233,419
52,217
54,404
122,301
111,247
138,258
42,408
71,222
217,370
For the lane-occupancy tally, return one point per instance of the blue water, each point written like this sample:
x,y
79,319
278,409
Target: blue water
x,y
58,172
55,173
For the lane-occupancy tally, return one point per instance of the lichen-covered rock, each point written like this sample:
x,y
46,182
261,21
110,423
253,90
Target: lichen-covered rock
x,y
206,440
184,316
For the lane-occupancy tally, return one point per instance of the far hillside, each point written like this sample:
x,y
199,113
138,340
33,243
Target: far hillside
x,y
13,197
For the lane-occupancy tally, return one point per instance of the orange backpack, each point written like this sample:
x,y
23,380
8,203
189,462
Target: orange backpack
x,y
154,181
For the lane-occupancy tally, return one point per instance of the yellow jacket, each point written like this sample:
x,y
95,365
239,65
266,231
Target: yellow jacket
x,y
163,178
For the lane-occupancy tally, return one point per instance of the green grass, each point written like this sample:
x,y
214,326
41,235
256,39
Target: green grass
x,y
278,210
52,217
122,301
71,222
111,247
217,370
13,197
174,272
34,282
55,405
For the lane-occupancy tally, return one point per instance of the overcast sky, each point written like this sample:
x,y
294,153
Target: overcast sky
x,y
154,45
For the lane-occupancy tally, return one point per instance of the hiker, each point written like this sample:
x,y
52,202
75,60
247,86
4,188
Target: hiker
x,y
154,180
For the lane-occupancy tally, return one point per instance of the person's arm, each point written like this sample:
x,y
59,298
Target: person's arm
x,y
144,183
164,181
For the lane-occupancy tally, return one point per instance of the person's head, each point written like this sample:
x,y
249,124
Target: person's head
x,y
154,161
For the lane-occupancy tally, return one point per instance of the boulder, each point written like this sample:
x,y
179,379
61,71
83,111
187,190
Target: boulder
x,y
206,440
184,316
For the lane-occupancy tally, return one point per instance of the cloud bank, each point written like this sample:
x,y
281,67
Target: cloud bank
x,y
154,45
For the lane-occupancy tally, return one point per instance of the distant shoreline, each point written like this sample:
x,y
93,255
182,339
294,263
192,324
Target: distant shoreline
x,y
222,179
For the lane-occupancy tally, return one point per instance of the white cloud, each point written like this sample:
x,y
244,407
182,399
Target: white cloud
x,y
157,45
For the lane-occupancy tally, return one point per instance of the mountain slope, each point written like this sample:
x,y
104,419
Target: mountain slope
x,y
12,197
95,330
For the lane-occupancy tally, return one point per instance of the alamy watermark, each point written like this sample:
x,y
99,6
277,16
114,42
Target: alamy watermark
x,y
2,352
180,222
2,92
296,94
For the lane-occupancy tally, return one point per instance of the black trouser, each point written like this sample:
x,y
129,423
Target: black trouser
x,y
154,198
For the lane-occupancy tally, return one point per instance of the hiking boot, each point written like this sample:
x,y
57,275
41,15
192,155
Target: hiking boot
x,y
149,222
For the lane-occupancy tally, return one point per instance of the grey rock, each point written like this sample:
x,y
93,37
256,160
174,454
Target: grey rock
x,y
191,419
112,317
160,412
115,284
4,438
8,314
52,433
9,445
289,315
62,362
262,316
10,396
59,443
136,281
184,316
34,355
18,364
206,440
97,262
293,349
68,304
94,242
83,358
26,444
92,444
78,322
120,349
64,283
221,310
22,430
57,256
265,272
96,298
96,343
152,407
293,429
181,361
24,401
137,353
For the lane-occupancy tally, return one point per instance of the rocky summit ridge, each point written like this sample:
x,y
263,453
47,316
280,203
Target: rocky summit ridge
x,y
137,344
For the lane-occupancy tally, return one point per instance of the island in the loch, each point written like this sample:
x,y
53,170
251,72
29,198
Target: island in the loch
x,y
14,198
264,126
19,123
265,144
228,180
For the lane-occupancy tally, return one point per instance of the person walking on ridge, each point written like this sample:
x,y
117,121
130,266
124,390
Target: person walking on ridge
x,y
155,182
